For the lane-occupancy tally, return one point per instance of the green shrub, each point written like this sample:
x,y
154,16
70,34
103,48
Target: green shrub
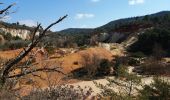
x,y
50,49
158,90
3,47
138,55
8,36
121,71
147,41
14,44
104,68
153,67
134,62
17,44
92,67
83,47
17,38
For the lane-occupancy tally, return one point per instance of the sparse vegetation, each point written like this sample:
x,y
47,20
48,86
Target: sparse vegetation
x,y
141,57
93,67
8,36
138,55
149,39
126,83
60,93
158,90
153,67
15,44
50,49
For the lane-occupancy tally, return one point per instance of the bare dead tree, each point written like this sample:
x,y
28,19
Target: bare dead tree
x,y
5,72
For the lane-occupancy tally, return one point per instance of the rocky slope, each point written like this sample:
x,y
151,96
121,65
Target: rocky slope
x,y
22,31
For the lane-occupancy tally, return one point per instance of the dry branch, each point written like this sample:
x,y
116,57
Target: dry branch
x,y
4,12
37,70
6,69
6,9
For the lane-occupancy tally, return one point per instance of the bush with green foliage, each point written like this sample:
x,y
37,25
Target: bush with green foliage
x,y
50,49
138,55
16,38
15,44
104,68
147,41
154,67
134,62
158,90
8,36
81,39
92,67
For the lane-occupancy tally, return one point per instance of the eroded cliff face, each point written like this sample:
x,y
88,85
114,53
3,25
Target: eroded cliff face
x,y
22,33
110,37
2,40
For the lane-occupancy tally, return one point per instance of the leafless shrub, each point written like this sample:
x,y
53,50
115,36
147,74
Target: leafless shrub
x,y
154,67
90,64
93,66
60,93
7,92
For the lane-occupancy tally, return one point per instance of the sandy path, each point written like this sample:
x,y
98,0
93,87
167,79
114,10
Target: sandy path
x,y
116,88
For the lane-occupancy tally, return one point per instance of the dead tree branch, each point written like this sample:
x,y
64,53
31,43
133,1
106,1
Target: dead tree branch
x,y
6,69
6,9
4,12
37,70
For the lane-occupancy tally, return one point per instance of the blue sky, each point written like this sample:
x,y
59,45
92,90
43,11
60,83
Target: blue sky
x,y
82,13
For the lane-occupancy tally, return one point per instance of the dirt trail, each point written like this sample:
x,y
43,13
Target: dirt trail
x,y
116,88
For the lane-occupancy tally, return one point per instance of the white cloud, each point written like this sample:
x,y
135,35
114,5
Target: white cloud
x,y
135,2
28,23
95,0
84,15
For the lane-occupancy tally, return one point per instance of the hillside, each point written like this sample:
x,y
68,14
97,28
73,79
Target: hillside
x,y
114,24
22,31
15,36
114,31
77,31
120,30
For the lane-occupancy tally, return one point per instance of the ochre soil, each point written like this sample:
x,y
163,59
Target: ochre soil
x,y
44,79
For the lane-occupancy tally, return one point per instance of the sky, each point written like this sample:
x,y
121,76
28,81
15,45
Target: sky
x,y
81,13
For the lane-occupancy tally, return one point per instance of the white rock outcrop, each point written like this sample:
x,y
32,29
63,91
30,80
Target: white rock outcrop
x,y
22,33
105,45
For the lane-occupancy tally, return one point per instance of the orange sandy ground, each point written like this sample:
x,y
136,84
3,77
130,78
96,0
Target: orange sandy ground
x,y
27,82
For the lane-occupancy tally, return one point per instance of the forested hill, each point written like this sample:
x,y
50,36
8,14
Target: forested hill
x,y
120,30
152,19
